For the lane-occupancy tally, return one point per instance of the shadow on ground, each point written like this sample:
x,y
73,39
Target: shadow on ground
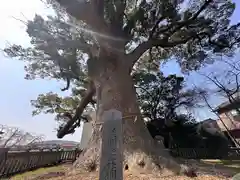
x,y
49,175
224,168
43,173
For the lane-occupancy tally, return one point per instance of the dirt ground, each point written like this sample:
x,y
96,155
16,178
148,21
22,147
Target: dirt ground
x,y
209,170
127,176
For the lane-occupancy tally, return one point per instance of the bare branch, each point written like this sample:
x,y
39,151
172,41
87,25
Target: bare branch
x,y
234,66
212,110
155,27
231,93
12,137
67,86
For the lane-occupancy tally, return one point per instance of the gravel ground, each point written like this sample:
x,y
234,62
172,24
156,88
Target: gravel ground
x,y
128,176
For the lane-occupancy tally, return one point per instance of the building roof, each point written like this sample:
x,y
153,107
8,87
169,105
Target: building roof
x,y
210,123
227,105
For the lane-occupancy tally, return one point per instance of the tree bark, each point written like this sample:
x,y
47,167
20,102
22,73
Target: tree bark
x,y
115,90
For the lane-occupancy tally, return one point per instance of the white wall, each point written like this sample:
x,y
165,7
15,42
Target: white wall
x,y
86,135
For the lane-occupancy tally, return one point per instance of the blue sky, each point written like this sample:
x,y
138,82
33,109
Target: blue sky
x,y
16,93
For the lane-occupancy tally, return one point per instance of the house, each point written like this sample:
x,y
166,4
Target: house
x,y
229,118
229,113
210,123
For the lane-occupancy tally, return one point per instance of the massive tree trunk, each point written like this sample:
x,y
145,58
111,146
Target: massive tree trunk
x,y
115,90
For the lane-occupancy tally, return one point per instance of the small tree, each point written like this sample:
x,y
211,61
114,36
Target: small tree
x,y
102,47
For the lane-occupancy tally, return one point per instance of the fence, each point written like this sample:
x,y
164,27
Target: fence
x,y
17,162
204,153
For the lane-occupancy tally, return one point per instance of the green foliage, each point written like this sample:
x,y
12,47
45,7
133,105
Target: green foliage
x,y
52,103
60,44
159,96
195,35
63,107
57,49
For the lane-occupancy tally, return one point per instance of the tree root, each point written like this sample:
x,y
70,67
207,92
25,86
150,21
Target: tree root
x,y
137,162
158,164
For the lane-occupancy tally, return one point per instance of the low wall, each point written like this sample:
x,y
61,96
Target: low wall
x,y
20,161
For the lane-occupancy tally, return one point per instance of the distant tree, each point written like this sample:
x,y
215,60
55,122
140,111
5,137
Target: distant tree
x,y
14,138
102,47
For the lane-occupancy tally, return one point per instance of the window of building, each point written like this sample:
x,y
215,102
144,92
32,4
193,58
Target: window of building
x,y
234,112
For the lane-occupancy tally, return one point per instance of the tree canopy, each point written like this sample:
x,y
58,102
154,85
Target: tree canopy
x,y
160,96
62,47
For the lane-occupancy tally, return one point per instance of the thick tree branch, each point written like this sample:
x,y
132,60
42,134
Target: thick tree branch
x,y
99,5
91,12
162,42
83,103
181,24
142,48
67,86
88,11
155,27
143,89
117,20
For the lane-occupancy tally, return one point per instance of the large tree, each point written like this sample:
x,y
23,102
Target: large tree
x,y
161,97
106,40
